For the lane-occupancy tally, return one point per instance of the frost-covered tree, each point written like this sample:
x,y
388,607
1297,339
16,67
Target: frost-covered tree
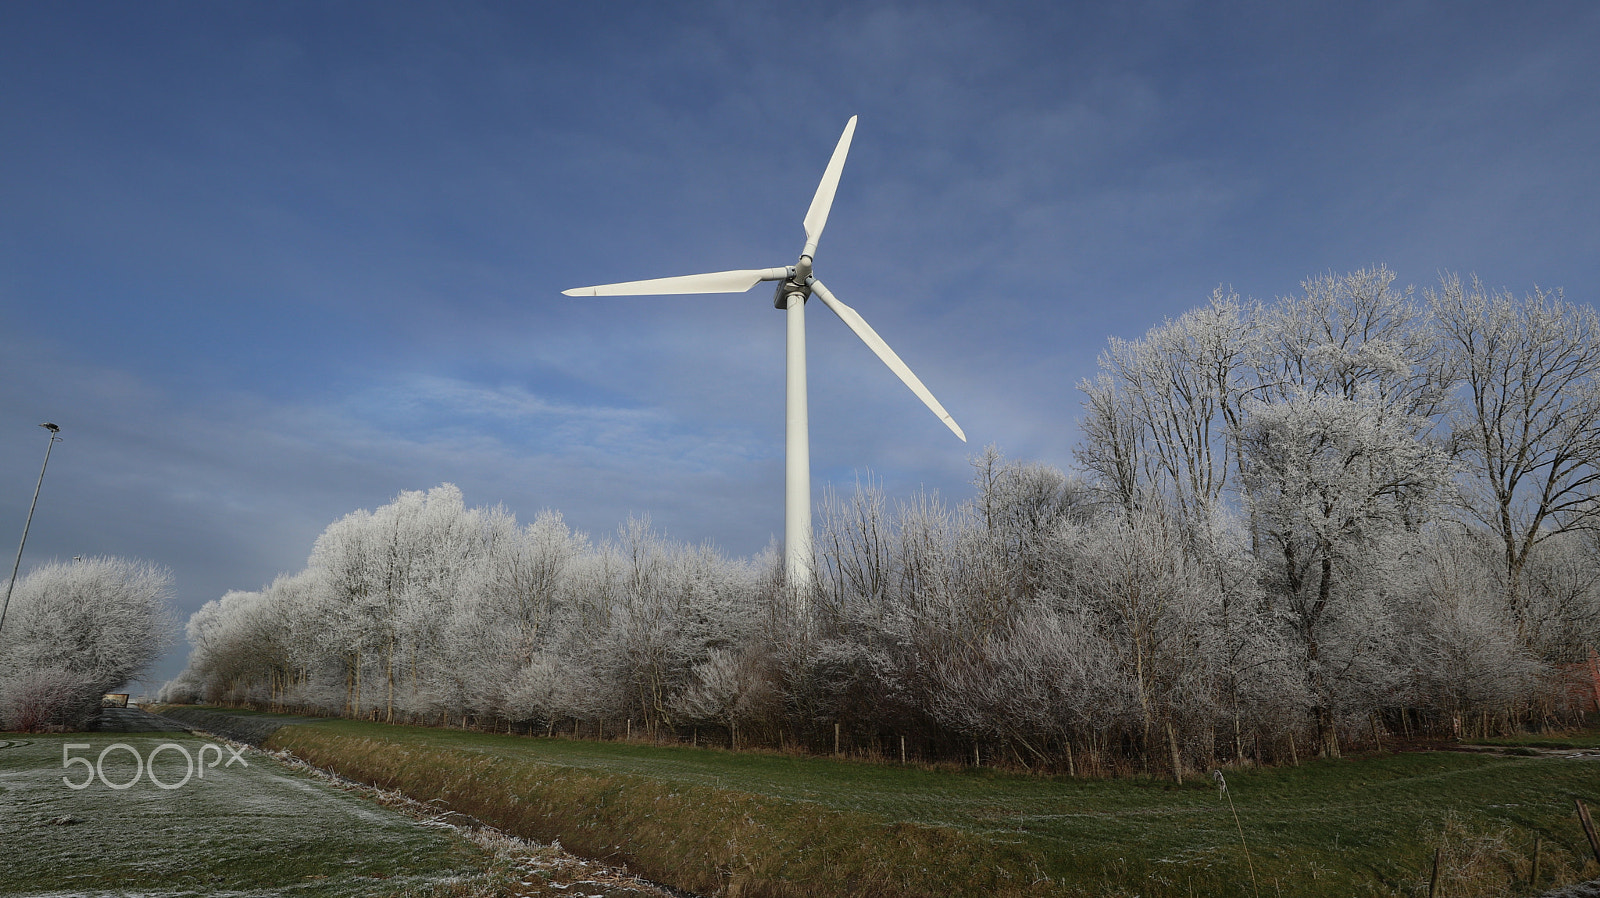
x,y
523,580
1528,423
1162,618
1161,415
727,689
1563,595
1021,507
1331,482
391,576
1044,682
76,631
1457,645
1353,335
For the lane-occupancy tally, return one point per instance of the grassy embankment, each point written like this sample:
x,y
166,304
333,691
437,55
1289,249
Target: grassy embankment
x,y
763,824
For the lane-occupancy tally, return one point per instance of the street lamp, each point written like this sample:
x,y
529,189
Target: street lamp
x,y
11,584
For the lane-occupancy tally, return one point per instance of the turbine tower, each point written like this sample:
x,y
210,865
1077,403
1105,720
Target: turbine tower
x,y
796,285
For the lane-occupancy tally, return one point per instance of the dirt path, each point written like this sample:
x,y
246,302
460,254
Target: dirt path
x,y
1520,751
135,720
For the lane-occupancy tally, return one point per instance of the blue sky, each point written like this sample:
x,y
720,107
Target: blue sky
x,y
267,263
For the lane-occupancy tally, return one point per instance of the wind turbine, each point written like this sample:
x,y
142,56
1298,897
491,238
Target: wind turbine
x,y
796,284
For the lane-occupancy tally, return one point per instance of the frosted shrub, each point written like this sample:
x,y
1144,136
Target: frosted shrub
x,y
76,631
45,699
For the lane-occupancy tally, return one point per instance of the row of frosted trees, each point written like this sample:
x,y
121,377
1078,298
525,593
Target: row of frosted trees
x,y
1345,516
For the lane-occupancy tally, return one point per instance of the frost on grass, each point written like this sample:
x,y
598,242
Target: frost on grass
x,y
238,830
519,868
275,827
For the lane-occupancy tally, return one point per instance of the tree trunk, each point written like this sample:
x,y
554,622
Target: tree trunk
x,y
1327,732
388,665
1177,756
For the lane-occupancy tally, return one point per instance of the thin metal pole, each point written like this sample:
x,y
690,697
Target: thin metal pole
x,y
11,584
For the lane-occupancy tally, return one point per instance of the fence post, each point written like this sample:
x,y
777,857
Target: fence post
x,y
1533,878
1588,827
1433,881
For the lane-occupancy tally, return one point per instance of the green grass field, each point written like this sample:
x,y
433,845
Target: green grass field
x,y
765,824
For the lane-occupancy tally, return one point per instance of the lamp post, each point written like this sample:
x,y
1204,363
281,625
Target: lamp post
x,y
11,584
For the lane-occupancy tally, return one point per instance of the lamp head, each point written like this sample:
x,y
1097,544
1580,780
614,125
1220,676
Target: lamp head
x,y
50,427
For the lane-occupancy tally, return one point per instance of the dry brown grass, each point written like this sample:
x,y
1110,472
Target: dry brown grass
x,y
1494,863
708,840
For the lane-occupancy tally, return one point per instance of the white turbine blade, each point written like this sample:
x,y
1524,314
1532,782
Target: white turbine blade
x,y
870,337
817,215
716,282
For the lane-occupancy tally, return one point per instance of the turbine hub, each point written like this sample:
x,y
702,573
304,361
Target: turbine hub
x,y
799,281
